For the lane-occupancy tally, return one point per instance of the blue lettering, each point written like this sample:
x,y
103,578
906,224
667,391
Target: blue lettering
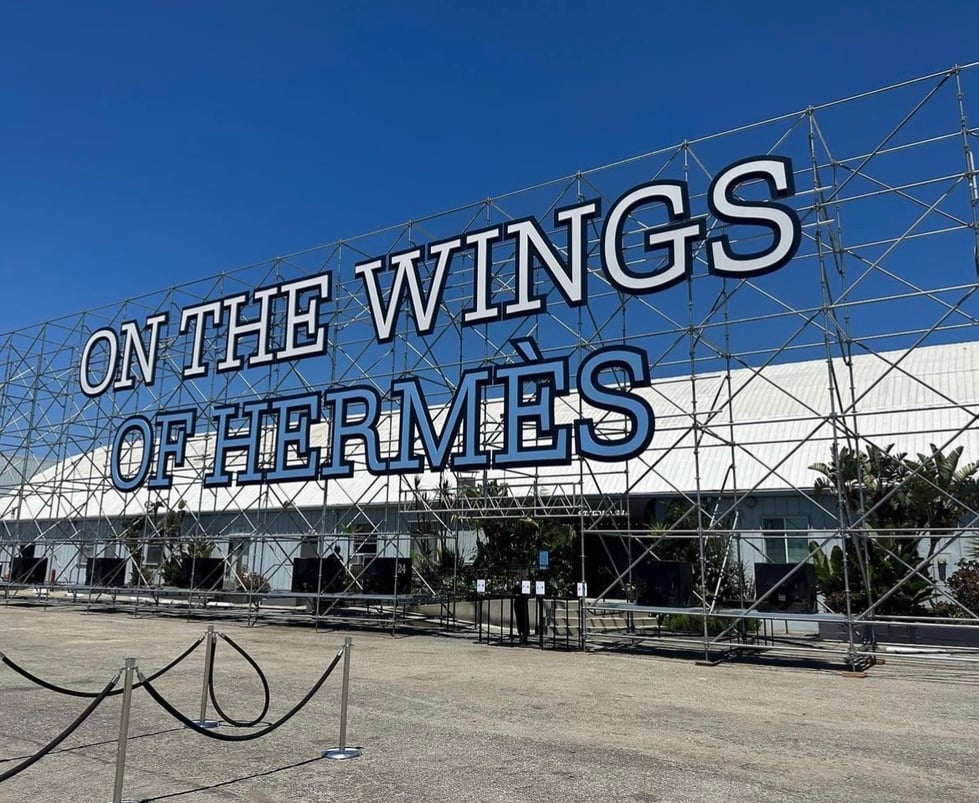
x,y
244,439
344,427
175,427
293,418
639,415
139,426
415,415
529,390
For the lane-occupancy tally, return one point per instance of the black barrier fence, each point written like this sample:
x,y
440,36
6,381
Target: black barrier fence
x,y
496,620
202,727
563,622
521,619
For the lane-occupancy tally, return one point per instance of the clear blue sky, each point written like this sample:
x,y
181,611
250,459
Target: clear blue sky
x,y
145,144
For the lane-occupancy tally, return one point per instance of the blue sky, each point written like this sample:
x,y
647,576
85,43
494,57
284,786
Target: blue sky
x,y
147,144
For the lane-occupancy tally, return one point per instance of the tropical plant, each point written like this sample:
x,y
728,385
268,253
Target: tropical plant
x,y
437,564
941,492
876,566
511,542
169,531
896,511
438,570
162,526
677,537
133,537
830,579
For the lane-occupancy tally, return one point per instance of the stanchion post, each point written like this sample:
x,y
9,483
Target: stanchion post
x,y
343,752
540,622
204,722
480,594
127,699
479,618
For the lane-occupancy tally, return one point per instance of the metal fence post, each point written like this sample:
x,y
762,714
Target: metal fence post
x,y
127,698
343,751
204,722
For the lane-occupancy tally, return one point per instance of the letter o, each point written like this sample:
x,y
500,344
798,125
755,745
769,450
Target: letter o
x,y
136,424
109,336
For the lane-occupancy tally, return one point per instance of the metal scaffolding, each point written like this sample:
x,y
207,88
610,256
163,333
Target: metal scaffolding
x,y
879,292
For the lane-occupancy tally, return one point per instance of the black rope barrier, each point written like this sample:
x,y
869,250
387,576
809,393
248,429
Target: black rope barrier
x,y
90,708
245,737
44,684
250,723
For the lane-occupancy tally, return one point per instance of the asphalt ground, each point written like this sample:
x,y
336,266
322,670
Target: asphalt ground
x,y
445,719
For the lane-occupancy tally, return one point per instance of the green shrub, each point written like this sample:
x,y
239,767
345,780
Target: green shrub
x,y
964,585
689,623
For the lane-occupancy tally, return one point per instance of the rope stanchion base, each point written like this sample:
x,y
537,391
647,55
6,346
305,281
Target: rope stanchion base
x,y
205,723
340,753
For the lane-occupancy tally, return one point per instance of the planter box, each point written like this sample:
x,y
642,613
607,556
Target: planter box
x,y
496,611
913,633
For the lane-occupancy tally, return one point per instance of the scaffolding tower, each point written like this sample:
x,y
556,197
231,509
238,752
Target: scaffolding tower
x,y
877,307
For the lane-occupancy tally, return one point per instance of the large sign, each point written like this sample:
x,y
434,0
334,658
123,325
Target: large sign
x,y
268,438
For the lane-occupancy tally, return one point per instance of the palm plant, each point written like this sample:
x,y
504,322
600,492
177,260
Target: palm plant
x,y
890,503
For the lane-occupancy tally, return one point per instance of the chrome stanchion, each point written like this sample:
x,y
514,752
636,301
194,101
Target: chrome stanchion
x,y
204,722
343,751
127,698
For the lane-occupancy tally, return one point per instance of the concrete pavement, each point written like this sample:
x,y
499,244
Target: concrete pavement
x,y
443,719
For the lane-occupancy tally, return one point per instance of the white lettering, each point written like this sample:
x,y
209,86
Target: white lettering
x,y
677,238
781,220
